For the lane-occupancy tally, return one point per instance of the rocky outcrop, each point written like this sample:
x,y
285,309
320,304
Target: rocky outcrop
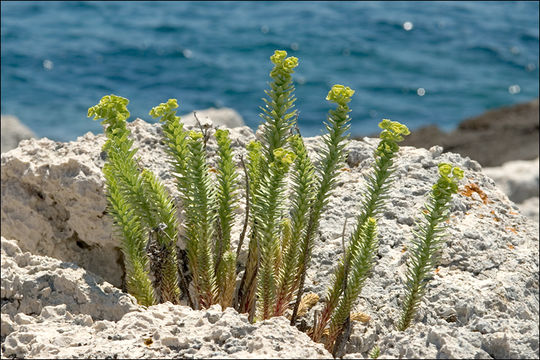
x,y
519,180
56,309
493,138
481,302
60,187
226,117
13,131
31,282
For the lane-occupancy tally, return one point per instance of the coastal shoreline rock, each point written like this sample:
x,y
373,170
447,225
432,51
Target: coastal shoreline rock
x,y
492,138
13,131
226,117
519,180
56,309
487,279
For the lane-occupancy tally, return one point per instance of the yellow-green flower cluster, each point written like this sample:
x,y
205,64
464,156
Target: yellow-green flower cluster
x,y
393,130
195,135
447,183
283,157
110,107
253,146
164,108
392,133
283,64
340,94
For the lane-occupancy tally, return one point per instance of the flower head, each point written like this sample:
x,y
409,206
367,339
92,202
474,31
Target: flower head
x,y
393,130
283,66
164,108
254,146
340,94
448,178
195,135
278,56
283,158
445,169
110,107
290,63
457,172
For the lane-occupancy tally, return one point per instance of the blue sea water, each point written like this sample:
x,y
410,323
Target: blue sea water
x,y
416,62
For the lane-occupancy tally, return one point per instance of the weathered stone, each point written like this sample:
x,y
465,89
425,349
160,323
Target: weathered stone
x,y
226,117
31,282
492,138
486,283
518,179
13,131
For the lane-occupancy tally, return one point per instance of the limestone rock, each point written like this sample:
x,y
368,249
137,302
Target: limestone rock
x,y
226,117
56,309
518,179
161,331
483,298
31,282
13,131
60,187
497,136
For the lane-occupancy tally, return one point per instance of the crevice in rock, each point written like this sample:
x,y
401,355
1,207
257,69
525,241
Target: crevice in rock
x,y
82,244
47,207
78,245
120,262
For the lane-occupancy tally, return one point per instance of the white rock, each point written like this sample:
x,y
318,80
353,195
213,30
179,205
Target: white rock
x,y
30,283
487,282
60,187
518,179
12,132
161,331
226,117
530,208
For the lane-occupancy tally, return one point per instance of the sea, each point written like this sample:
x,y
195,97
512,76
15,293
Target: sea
x,y
419,63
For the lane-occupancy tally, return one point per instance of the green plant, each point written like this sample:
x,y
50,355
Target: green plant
x,y
332,157
208,205
278,114
282,219
375,352
289,246
357,260
141,209
428,241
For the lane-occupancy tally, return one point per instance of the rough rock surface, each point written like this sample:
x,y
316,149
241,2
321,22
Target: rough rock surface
x,y
482,300
55,309
30,282
492,138
13,131
61,188
227,117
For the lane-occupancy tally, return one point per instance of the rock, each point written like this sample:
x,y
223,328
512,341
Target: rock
x,y
56,309
30,283
13,131
518,179
493,138
60,187
486,283
530,208
162,331
226,117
